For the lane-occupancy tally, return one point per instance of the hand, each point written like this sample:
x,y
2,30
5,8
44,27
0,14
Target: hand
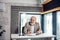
x,y
29,32
39,31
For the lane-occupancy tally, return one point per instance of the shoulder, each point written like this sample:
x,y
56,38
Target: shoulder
x,y
27,23
37,23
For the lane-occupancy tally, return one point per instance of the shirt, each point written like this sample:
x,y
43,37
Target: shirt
x,y
32,29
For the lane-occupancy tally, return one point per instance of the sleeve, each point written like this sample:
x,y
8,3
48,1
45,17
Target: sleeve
x,y
39,27
25,29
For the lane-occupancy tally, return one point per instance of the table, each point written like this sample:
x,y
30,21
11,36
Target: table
x,y
16,36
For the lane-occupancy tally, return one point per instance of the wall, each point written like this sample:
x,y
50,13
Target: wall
x,y
1,24
5,20
21,1
24,2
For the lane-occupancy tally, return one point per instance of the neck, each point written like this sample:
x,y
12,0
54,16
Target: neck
x,y
32,23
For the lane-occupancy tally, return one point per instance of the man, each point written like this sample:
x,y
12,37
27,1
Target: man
x,y
32,27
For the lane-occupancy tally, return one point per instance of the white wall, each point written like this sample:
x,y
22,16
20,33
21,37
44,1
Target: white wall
x,y
5,20
2,7
23,2
7,15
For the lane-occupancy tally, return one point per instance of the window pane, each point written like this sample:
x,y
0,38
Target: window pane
x,y
26,18
48,23
58,24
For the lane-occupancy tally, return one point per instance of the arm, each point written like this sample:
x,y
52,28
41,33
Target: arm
x,y
25,29
39,31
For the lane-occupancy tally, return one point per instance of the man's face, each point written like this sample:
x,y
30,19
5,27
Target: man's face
x,y
33,19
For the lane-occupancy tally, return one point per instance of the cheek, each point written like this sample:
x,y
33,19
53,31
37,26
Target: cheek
x,y
32,21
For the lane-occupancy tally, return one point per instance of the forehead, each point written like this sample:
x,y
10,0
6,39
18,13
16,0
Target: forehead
x,y
33,17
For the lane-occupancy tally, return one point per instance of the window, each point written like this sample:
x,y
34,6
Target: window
x,y
25,17
48,23
58,24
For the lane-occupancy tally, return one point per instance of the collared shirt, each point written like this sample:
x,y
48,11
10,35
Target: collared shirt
x,y
32,29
